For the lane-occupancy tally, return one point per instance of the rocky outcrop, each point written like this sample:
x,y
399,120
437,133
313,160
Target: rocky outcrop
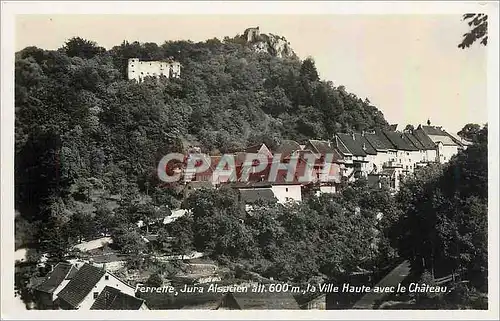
x,y
275,45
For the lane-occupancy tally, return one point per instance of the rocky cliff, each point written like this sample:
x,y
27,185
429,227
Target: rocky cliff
x,y
275,45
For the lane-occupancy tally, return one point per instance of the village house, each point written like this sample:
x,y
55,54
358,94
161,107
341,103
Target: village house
x,y
407,154
356,148
46,293
321,149
81,292
371,152
259,149
385,151
446,146
113,299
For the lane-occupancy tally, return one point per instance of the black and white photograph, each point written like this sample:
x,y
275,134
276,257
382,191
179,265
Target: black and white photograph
x,y
239,157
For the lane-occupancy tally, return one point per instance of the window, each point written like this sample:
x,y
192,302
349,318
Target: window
x,y
106,277
96,294
286,189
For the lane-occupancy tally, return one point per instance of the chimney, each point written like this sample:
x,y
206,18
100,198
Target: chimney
x,y
353,136
428,122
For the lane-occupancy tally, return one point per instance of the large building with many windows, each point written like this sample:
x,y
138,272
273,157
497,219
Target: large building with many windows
x,y
139,70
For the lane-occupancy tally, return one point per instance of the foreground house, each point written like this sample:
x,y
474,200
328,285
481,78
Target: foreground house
x,y
46,293
81,292
114,299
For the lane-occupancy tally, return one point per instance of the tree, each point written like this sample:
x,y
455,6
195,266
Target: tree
x,y
308,70
444,222
409,128
469,131
478,32
79,47
154,280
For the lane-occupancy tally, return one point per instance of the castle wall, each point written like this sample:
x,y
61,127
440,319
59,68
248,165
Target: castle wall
x,y
138,70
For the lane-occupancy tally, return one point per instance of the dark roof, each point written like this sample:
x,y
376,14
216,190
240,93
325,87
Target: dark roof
x,y
433,130
437,134
378,141
265,301
254,148
113,299
320,146
287,147
397,139
355,146
341,147
81,284
414,140
253,195
424,139
367,147
61,272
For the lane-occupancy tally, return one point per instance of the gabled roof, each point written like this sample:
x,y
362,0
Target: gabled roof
x,y
354,145
341,147
253,195
287,147
438,134
257,148
367,147
61,272
410,137
398,140
424,138
320,146
433,130
265,301
113,299
379,142
81,284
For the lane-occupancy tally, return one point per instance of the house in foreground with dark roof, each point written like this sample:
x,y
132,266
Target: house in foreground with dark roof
x,y
81,292
114,299
46,292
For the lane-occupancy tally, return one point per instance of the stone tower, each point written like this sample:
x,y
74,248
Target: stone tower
x,y
252,34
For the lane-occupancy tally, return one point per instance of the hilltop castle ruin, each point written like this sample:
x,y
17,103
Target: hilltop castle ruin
x,y
138,70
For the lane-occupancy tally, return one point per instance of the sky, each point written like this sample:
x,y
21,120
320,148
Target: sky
x,y
408,66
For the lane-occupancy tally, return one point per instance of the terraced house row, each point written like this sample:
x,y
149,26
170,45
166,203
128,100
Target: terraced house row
x,y
382,157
